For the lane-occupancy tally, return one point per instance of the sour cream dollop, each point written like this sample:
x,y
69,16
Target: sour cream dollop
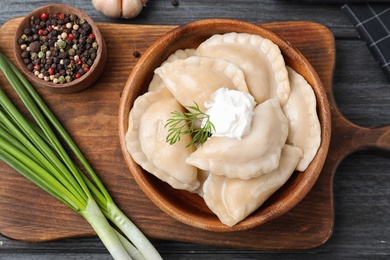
x,y
231,112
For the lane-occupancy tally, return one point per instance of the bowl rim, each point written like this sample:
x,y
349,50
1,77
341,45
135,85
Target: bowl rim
x,y
293,54
78,84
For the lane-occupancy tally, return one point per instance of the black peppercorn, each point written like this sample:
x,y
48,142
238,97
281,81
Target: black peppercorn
x,y
89,62
136,54
21,41
86,26
175,2
25,54
80,71
27,31
30,66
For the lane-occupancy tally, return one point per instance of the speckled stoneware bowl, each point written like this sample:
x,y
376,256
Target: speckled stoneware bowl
x,y
190,208
76,85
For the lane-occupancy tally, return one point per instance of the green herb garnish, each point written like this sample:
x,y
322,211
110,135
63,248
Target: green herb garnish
x,y
177,125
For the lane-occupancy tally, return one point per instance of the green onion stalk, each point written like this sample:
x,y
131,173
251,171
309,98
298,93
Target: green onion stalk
x,y
33,149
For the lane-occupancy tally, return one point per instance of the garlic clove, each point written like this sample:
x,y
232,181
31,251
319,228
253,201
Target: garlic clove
x,y
110,8
131,8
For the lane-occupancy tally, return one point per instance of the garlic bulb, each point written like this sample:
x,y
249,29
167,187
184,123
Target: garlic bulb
x,y
119,8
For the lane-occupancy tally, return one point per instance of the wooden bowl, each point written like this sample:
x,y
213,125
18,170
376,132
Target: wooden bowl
x,y
78,84
190,208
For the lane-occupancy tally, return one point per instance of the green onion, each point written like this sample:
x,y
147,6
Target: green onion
x,y
34,150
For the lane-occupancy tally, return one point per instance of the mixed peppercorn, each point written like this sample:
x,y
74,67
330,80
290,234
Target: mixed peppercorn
x,y
58,47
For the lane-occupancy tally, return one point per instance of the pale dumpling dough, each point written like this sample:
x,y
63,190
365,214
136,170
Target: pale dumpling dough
x,y
232,200
146,141
259,58
255,154
202,176
157,82
304,126
195,79
180,55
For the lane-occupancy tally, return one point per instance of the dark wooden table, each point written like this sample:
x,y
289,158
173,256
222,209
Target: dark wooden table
x,y
361,183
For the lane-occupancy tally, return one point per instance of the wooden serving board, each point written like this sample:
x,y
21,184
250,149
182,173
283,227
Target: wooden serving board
x,y
28,214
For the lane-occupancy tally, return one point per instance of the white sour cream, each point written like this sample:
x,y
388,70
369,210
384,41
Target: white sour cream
x,y
231,112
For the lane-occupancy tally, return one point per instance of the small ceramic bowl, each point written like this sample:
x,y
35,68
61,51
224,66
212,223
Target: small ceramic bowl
x,y
190,208
78,84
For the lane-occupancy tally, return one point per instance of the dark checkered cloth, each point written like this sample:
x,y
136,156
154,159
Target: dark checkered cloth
x,y
373,24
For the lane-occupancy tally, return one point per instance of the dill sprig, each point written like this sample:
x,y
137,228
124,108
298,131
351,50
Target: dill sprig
x,y
177,126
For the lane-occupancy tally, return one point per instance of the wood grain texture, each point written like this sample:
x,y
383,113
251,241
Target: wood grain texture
x,y
91,117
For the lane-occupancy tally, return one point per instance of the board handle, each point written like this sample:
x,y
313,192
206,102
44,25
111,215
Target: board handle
x,y
378,137
348,138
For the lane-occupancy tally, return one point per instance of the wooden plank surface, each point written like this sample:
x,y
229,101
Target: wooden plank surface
x,y
91,117
360,185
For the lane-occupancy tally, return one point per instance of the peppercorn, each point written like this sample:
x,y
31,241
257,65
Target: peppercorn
x,y
72,17
89,62
43,48
34,46
63,55
61,79
30,66
175,2
34,55
25,54
27,31
21,41
71,52
41,54
44,16
43,38
136,54
51,70
86,26
61,44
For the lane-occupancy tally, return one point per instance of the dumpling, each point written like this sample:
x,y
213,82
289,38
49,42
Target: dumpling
x,y
157,82
202,177
255,154
232,200
180,54
195,79
259,58
304,125
146,141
